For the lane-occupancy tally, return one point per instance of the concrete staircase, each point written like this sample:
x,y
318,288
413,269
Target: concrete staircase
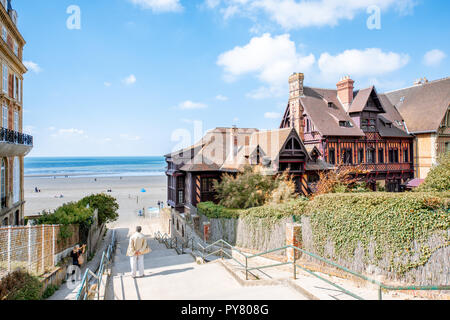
x,y
170,276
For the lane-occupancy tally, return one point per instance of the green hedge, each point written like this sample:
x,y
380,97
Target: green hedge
x,y
215,211
393,221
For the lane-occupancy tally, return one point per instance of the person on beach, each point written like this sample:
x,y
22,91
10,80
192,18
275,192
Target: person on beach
x,y
137,248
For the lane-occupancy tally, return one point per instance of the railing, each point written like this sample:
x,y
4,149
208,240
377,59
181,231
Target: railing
x,y
84,291
11,136
223,246
174,242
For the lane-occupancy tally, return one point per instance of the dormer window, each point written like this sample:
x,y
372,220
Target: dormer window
x,y
345,124
4,34
330,104
368,125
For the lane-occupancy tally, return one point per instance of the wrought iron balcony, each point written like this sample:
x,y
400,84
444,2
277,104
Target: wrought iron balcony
x,y
11,136
13,143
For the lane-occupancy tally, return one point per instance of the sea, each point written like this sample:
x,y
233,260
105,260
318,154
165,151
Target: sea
x,y
94,166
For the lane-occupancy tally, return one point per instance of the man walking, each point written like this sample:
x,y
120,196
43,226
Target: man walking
x,y
136,249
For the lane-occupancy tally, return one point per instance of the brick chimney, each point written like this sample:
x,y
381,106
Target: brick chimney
x,y
345,92
296,109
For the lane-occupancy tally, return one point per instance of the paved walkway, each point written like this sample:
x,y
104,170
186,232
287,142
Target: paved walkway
x,y
169,276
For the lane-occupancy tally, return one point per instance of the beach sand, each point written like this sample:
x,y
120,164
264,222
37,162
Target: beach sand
x,y
127,191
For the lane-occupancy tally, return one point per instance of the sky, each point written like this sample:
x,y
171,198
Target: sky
x,y
145,77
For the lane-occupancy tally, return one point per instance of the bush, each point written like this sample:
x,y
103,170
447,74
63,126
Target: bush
x,y
106,205
394,221
68,214
214,211
253,188
438,178
49,291
342,179
270,211
20,285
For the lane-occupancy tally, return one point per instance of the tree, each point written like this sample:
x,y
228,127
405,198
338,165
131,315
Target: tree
x,y
438,178
106,205
253,188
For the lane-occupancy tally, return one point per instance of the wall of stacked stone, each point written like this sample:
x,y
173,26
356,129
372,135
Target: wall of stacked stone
x,y
32,248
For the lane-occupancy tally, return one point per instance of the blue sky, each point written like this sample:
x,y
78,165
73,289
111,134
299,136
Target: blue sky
x,y
140,74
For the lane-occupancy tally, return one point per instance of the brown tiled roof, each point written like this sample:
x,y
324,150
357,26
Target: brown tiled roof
x,y
360,100
387,129
326,119
423,106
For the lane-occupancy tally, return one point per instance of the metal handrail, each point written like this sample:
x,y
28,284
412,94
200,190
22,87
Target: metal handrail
x,y
83,291
295,265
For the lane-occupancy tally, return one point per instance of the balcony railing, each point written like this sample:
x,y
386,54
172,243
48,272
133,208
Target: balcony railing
x,y
11,136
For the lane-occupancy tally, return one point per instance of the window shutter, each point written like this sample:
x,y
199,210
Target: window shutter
x,y
11,86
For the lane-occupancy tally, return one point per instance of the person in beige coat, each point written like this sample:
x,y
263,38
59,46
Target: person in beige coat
x,y
137,248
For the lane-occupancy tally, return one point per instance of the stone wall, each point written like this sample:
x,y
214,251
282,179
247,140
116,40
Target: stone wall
x,y
435,272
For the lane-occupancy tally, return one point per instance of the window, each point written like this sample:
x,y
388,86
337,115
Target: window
x,y
405,156
368,125
5,78
371,155
208,184
381,155
308,128
332,156
5,117
347,157
16,121
361,155
180,196
16,193
16,48
4,34
345,124
393,156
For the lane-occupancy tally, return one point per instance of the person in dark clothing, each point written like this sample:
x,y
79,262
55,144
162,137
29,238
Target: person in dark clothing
x,y
76,253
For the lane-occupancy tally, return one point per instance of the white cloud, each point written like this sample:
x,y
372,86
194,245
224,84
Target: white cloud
x,y
272,115
368,62
189,105
271,59
294,14
71,131
221,98
159,6
434,57
131,79
107,84
130,137
33,66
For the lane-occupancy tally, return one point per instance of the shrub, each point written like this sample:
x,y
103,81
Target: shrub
x,y
20,285
438,178
68,214
214,211
394,221
342,179
106,205
253,188
49,291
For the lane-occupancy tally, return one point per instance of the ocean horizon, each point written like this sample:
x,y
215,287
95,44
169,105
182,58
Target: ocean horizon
x,y
94,166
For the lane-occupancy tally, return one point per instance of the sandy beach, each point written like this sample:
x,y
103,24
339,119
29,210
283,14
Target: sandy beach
x,y
127,191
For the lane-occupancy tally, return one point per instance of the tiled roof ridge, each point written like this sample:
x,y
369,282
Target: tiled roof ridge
x,y
418,85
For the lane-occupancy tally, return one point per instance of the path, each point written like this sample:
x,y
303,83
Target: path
x,y
169,276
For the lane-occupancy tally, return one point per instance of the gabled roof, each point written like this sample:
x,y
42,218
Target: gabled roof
x,y
361,98
326,119
387,129
423,106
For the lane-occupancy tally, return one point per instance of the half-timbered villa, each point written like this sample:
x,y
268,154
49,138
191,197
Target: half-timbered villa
x,y
350,127
192,171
